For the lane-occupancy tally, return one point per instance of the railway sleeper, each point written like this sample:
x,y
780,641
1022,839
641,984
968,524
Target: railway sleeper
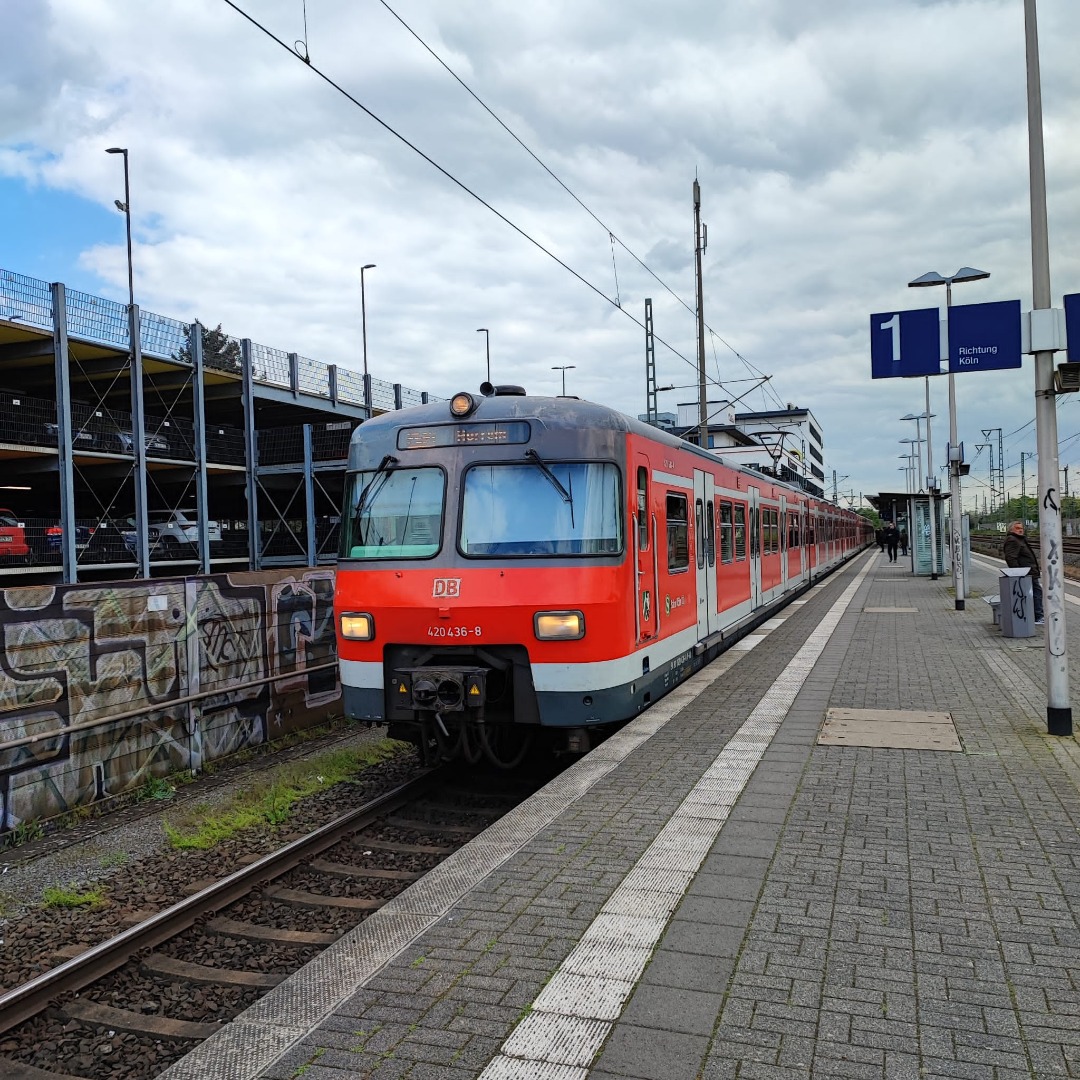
x,y
303,898
249,931
154,1027
405,849
18,1070
421,826
335,869
171,967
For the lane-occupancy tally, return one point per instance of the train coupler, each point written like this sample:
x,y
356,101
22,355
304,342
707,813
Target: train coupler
x,y
440,690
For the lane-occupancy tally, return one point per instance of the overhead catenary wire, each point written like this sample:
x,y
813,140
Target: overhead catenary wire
x,y
614,302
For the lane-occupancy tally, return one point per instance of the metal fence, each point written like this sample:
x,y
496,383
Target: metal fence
x,y
104,322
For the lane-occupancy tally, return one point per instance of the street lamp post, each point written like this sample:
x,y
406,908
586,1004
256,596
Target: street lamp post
x,y
487,348
564,368
363,335
125,207
956,513
138,443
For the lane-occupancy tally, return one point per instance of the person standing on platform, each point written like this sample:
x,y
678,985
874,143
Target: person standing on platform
x,y
1018,552
892,538
903,542
879,537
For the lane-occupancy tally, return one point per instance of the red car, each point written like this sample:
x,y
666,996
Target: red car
x,y
13,543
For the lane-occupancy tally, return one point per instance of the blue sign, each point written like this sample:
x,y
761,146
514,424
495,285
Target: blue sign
x,y
1072,327
904,344
984,337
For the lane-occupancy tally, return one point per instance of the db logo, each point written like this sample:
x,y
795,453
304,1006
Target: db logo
x,y
446,586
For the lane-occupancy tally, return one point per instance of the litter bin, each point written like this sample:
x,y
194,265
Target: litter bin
x,y
1017,608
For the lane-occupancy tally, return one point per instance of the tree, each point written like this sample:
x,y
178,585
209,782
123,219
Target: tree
x,y
219,350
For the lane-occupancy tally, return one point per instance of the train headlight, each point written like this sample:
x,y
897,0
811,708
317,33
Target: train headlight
x,y
559,625
357,626
462,404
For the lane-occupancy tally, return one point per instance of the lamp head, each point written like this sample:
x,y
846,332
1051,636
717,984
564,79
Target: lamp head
x,y
368,266
969,273
116,150
932,278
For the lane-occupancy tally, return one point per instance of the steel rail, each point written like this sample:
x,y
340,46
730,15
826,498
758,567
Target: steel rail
x,y
23,1002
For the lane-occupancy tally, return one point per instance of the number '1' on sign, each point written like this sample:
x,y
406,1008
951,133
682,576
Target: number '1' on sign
x,y
905,344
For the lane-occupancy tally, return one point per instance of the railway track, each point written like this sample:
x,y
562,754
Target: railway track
x,y
127,1007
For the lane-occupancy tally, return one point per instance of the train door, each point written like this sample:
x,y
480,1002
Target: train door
x,y
785,540
708,619
646,614
804,538
755,550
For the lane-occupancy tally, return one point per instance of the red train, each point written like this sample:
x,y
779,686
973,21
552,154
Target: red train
x,y
515,569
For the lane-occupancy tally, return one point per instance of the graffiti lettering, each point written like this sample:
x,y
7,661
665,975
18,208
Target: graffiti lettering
x,y
1049,501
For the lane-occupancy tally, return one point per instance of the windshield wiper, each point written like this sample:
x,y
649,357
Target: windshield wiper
x,y
372,488
539,462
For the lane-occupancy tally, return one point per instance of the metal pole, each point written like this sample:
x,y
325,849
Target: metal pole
x,y
956,512
487,348
1058,709
363,331
930,489
699,246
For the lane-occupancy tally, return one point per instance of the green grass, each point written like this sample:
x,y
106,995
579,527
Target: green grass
x,y
270,802
69,897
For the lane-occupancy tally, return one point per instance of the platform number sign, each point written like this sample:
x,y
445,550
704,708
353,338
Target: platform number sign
x,y
905,344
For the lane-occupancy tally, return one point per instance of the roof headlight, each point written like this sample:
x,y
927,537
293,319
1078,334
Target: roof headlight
x,y
559,625
462,404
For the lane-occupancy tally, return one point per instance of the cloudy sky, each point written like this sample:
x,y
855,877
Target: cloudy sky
x,y
843,148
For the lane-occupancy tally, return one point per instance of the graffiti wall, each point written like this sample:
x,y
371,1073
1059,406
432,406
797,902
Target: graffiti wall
x,y
105,686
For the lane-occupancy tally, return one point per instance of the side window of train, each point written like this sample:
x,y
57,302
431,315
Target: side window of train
x,y
727,551
699,520
740,532
643,508
710,532
678,532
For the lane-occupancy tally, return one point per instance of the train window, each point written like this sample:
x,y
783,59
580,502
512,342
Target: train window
x,y
700,534
678,532
740,532
771,542
793,531
710,533
542,508
643,508
726,549
393,514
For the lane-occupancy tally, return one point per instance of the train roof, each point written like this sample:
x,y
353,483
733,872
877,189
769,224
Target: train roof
x,y
568,413
553,412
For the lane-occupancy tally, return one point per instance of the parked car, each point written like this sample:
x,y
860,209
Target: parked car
x,y
81,438
109,542
13,545
123,442
176,532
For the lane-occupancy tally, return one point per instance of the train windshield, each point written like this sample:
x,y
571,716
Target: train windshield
x,y
393,514
542,508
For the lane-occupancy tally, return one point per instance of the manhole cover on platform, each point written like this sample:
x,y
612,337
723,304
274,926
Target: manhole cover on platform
x,y
888,610
896,729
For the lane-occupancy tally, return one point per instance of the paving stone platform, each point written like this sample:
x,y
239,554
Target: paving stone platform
x,y
714,894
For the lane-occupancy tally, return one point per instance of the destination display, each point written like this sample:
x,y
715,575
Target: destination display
x,y
425,438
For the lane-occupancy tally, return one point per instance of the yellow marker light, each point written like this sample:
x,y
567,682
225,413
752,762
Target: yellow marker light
x,y
559,625
357,626
462,404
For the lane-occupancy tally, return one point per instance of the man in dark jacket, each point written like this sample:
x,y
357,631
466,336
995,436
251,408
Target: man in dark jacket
x,y
1017,552
892,538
